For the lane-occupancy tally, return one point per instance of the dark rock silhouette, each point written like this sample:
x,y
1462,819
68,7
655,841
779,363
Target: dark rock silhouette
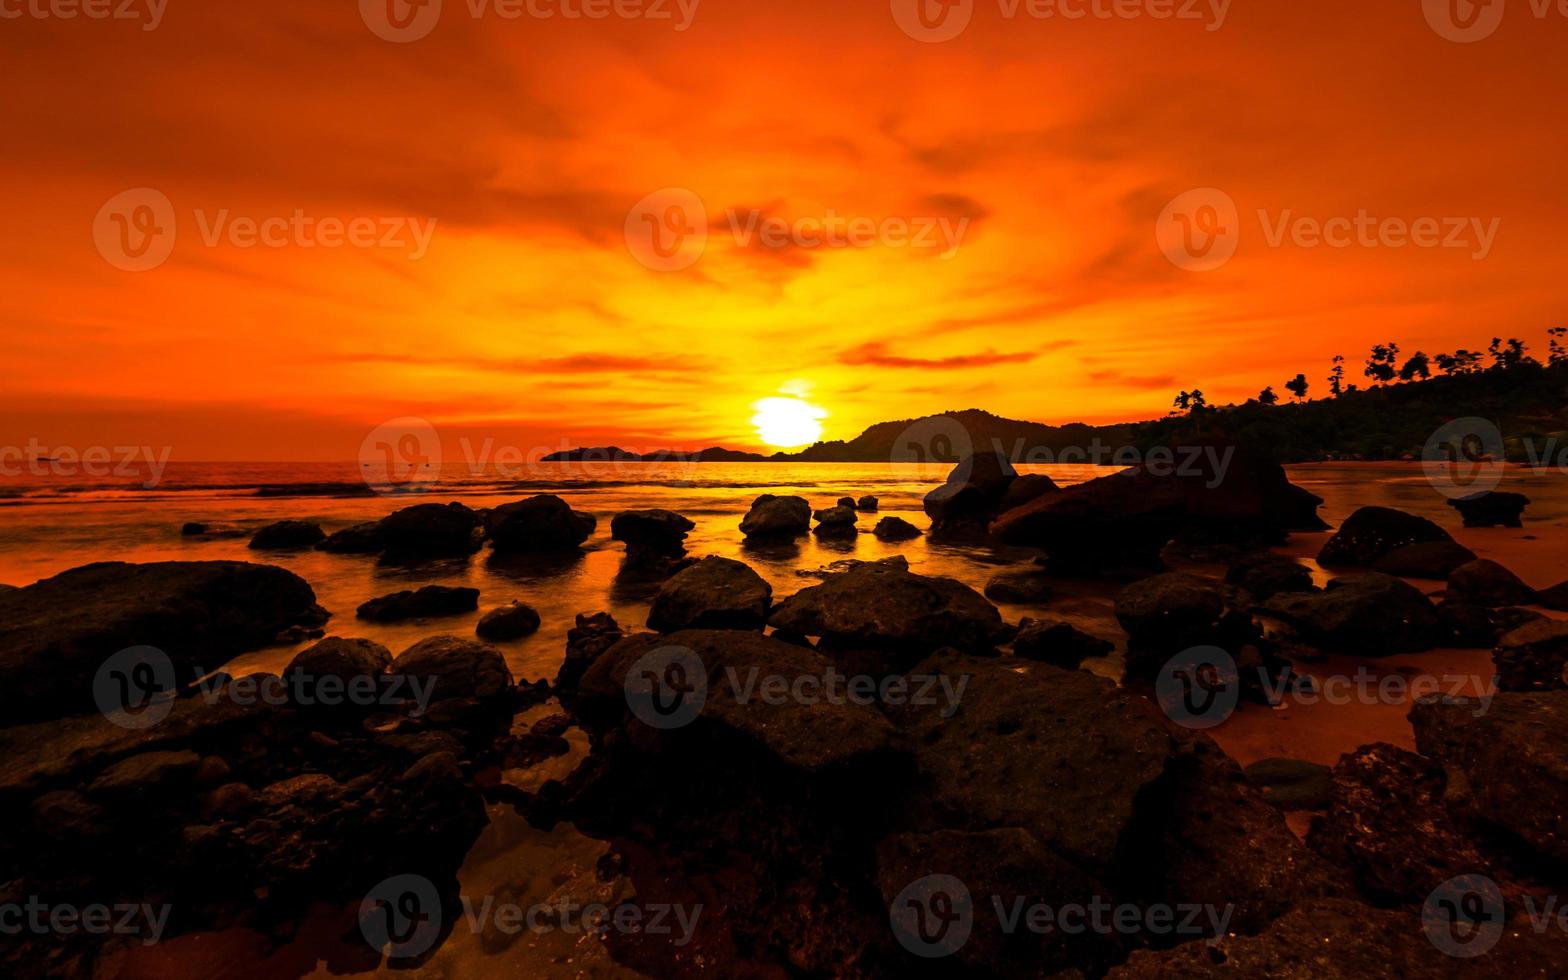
x,y
1489,584
1265,574
593,634
773,517
881,607
1168,614
1373,533
1025,586
715,593
1369,613
836,522
342,658
427,531
1428,559
431,600
867,504
288,534
655,543
458,668
543,523
971,498
1533,657
895,529
1491,509
1290,784
1026,489
1057,643
510,622
1555,597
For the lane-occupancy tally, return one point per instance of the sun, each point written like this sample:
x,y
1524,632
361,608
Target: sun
x,y
788,422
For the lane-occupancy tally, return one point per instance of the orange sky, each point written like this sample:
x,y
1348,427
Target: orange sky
x,y
1055,143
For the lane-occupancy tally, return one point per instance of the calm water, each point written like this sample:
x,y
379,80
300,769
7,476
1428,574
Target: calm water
x,y
51,524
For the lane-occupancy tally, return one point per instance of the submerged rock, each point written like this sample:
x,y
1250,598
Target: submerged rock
x,y
56,634
1029,586
1373,533
431,600
1369,613
286,535
887,608
895,529
1057,643
715,593
1491,509
776,517
1489,584
510,622
543,523
867,504
655,542
1266,574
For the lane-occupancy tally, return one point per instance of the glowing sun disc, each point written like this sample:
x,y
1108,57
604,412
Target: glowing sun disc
x,y
788,422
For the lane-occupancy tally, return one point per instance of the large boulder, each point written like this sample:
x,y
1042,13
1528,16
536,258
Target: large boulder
x,y
836,522
867,504
287,535
776,517
715,593
1028,488
1510,755
509,622
895,529
539,524
1425,559
1555,597
457,668
361,539
1266,574
1166,615
1025,586
1370,613
1216,493
342,658
972,495
1492,508
1372,533
655,542
57,633
1533,657
1059,644
1386,824
1487,583
593,634
423,531
887,608
431,600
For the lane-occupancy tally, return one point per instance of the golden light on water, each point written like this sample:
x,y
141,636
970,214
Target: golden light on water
x,y
788,422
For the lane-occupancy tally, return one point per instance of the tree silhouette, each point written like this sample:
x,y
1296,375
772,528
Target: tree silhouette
x,y
1336,377
1380,366
1556,354
1297,386
1183,403
1267,396
1419,366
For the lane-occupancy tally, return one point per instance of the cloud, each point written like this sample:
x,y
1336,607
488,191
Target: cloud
x,y
874,354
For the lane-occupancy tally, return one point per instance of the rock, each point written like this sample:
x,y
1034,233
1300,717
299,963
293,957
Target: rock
x,y
1469,625
431,600
776,517
886,608
1491,509
843,565
837,515
1489,584
339,658
1062,754
1371,614
1533,657
193,528
428,531
1028,488
655,542
1008,862
541,523
57,633
845,502
509,622
145,776
1218,493
715,593
972,495
1029,586
1265,574
67,817
1168,614
1510,757
457,668
592,635
1555,598
361,539
867,504
1372,533
1428,559
288,534
895,529
1057,643
1385,823
1290,784
806,737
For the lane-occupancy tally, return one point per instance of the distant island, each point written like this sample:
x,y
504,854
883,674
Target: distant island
x,y
1392,419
